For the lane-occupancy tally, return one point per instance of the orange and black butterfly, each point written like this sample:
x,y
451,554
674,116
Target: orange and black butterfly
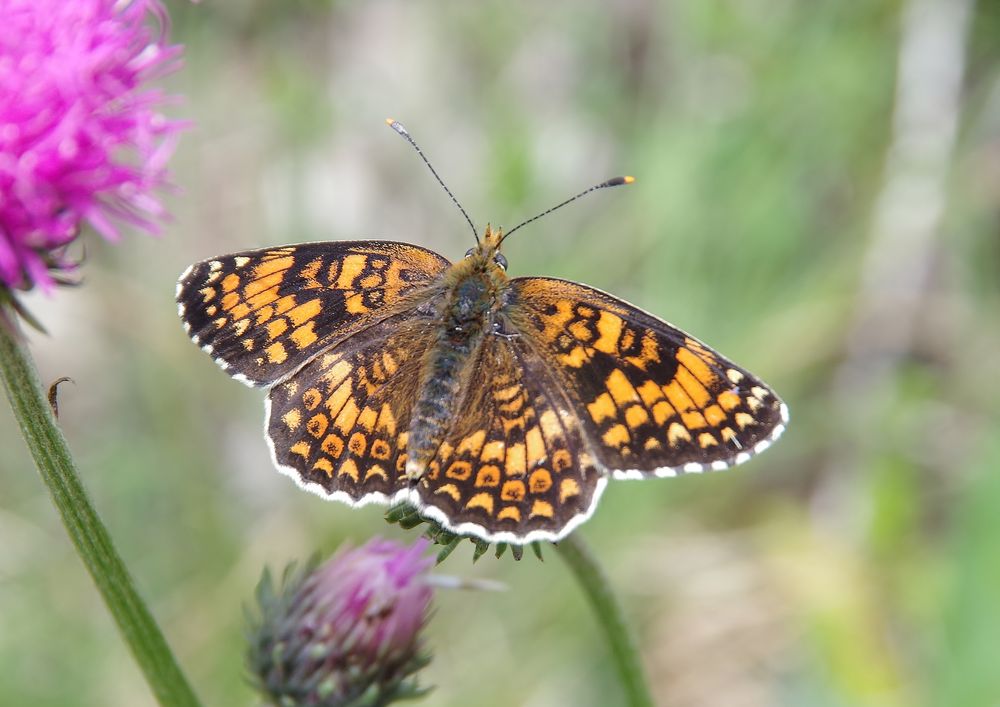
x,y
498,407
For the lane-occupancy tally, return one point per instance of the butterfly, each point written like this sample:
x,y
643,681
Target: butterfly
x,y
498,407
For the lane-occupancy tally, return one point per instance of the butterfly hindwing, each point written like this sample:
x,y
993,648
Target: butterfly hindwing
x,y
339,425
515,466
261,314
652,399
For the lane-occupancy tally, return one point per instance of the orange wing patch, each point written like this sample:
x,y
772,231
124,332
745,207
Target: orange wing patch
x,y
656,400
262,314
515,467
339,425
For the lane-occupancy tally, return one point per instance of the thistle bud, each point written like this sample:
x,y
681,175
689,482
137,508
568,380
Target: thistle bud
x,y
346,632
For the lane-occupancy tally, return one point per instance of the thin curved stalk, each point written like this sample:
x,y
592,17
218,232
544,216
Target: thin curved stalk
x,y
89,535
621,642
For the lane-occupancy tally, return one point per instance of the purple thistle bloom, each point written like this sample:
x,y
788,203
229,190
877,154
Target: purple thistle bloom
x,y
81,138
346,632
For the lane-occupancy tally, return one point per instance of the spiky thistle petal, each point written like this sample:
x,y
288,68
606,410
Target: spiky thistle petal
x,y
82,138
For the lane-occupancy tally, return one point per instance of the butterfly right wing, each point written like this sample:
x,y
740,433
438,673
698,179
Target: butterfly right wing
x,y
261,314
654,400
338,426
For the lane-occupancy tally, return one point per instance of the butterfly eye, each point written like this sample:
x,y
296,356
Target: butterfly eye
x,y
500,260
469,252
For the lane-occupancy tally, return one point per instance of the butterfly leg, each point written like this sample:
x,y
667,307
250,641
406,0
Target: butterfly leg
x,y
502,331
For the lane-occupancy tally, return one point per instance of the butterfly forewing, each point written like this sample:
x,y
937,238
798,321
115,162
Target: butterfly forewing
x,y
652,399
515,466
339,425
261,314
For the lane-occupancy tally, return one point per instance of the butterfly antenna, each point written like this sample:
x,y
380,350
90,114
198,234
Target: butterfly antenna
x,y
613,182
395,125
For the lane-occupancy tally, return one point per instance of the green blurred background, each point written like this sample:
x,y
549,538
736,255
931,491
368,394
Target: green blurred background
x,y
822,216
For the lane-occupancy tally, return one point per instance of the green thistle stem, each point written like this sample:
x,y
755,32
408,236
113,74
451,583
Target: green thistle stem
x,y
93,543
611,617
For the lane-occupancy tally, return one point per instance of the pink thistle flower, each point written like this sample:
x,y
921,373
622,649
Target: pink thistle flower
x,y
346,632
81,138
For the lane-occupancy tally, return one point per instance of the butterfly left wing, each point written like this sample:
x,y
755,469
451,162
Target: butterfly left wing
x,y
261,314
654,400
515,467
339,425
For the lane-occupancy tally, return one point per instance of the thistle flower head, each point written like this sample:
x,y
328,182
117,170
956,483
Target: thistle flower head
x,y
346,632
81,137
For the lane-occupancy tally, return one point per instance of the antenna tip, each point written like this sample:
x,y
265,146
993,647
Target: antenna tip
x,y
615,182
394,124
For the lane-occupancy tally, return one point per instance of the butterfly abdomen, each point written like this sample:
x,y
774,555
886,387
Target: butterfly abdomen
x,y
447,368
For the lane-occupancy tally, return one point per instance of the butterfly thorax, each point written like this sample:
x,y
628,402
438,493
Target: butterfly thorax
x,y
473,296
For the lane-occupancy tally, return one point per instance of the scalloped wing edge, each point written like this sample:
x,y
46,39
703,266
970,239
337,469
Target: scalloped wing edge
x,y
411,496
718,465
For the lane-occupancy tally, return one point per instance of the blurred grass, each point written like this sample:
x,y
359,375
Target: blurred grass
x,y
831,571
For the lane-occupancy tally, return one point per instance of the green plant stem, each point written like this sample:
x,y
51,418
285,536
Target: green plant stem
x,y
611,617
93,543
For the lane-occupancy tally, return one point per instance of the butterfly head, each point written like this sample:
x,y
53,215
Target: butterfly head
x,y
486,255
